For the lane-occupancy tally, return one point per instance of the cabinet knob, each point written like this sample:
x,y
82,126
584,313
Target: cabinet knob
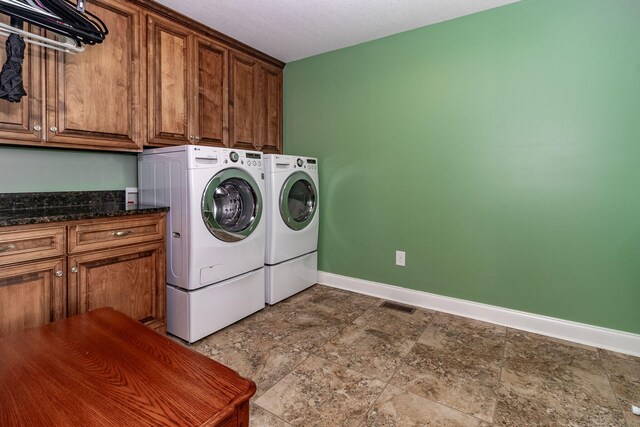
x,y
53,129
59,273
74,269
197,138
37,128
190,136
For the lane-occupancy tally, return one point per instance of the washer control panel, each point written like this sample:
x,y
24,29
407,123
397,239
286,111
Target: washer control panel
x,y
210,156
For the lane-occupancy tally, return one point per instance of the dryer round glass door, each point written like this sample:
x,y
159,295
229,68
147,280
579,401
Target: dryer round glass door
x,y
298,200
231,205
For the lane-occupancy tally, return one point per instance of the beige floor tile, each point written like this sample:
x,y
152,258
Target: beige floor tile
x,y
407,325
457,363
566,384
459,335
341,305
527,352
321,393
306,331
460,372
258,417
369,351
262,359
624,374
459,380
535,402
399,408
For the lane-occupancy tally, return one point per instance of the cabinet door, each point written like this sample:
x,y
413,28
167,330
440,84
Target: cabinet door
x,y
93,98
31,294
210,119
243,109
169,82
21,122
130,279
270,109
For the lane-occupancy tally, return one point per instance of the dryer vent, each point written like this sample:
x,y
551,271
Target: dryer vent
x,y
399,307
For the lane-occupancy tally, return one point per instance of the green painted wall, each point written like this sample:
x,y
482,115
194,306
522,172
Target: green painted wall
x,y
501,151
38,169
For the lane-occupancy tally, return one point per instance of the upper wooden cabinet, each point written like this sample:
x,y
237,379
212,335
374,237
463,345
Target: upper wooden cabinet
x,y
93,98
168,53
243,104
270,109
210,83
158,79
187,78
21,122
255,105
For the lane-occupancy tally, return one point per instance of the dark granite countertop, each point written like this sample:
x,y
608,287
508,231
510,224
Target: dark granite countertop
x,y
39,208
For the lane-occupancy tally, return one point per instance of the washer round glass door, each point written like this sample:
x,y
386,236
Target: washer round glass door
x,y
231,205
298,200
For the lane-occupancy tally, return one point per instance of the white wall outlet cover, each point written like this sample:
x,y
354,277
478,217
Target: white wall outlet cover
x,y
131,196
400,258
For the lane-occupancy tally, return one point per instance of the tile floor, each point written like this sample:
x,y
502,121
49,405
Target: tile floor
x,y
328,357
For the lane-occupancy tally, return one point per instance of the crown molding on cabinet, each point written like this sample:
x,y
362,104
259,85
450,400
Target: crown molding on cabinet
x,y
208,31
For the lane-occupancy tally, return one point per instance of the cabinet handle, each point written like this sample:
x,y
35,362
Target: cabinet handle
x,y
121,233
6,248
59,273
197,138
74,269
53,129
37,128
190,136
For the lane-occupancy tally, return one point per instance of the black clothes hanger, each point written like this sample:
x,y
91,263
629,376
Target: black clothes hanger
x,y
59,16
62,17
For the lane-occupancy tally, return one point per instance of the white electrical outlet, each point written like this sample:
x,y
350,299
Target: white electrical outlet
x,y
131,197
400,258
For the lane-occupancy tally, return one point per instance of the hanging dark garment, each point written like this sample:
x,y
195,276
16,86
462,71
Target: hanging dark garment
x,y
11,87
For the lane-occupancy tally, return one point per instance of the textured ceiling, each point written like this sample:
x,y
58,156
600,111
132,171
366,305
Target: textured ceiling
x,y
296,29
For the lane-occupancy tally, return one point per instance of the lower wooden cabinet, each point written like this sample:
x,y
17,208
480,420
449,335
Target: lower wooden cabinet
x,y
131,280
32,294
46,275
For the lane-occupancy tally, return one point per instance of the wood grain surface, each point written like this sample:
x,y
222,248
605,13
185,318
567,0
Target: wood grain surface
x,y
104,369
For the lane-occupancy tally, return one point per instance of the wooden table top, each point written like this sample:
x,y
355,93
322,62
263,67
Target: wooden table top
x,y
103,368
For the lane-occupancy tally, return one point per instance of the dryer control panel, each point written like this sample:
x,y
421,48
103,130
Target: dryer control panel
x,y
276,163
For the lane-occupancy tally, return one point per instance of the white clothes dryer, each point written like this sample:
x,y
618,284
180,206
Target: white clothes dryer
x,y
292,212
215,233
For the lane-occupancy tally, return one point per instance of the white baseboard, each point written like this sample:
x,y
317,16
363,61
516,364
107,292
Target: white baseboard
x,y
609,339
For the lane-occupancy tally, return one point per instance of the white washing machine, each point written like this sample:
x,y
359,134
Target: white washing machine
x,y
215,233
291,257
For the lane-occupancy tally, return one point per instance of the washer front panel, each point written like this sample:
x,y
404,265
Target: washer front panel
x,y
231,205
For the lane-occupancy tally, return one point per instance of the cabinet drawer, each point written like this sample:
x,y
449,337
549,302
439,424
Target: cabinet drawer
x,y
113,233
31,244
